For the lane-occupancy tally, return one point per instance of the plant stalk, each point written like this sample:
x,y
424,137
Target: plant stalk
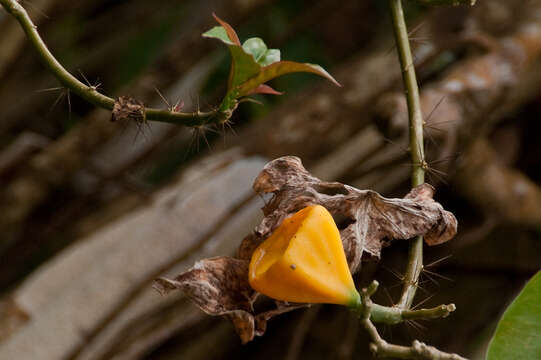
x,y
391,315
90,93
370,312
416,145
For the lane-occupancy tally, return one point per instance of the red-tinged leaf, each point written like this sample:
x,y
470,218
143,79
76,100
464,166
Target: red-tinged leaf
x,y
243,64
282,68
230,31
265,89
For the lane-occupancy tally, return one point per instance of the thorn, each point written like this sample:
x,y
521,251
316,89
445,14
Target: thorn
x,y
439,261
413,39
389,296
394,272
430,125
50,89
437,275
416,28
57,100
389,141
162,97
431,279
172,108
426,122
140,125
92,87
423,289
423,301
230,124
199,132
434,173
202,132
69,104
395,285
416,326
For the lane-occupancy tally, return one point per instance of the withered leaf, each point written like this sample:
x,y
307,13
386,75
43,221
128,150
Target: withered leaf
x,y
244,324
217,285
366,220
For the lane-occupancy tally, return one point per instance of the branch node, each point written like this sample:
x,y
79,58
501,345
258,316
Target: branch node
x,y
373,349
127,108
372,288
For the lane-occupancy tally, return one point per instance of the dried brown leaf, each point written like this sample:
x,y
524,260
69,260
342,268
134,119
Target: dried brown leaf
x,y
367,220
217,285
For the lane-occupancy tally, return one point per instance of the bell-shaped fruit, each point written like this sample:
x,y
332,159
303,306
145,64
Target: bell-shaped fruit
x,y
304,261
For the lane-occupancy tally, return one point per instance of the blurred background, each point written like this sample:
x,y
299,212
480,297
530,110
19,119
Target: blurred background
x,y
92,211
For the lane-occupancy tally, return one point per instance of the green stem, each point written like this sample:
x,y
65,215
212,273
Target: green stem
x,y
370,312
394,315
90,93
416,147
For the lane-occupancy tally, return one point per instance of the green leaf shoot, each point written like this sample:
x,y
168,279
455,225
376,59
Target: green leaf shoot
x,y
253,64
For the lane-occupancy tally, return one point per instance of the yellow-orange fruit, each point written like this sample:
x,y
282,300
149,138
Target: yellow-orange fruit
x,y
304,261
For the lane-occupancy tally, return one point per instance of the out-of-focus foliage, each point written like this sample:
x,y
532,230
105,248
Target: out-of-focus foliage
x,y
518,335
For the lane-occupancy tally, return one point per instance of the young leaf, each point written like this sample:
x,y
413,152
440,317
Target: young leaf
x,y
258,49
265,89
218,32
243,66
282,68
231,33
253,64
271,56
518,335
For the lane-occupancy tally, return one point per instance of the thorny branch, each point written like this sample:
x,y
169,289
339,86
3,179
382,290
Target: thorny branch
x,y
381,348
457,105
414,267
395,315
91,94
416,145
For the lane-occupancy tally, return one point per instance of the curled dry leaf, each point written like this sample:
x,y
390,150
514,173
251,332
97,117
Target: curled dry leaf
x,y
366,220
219,286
